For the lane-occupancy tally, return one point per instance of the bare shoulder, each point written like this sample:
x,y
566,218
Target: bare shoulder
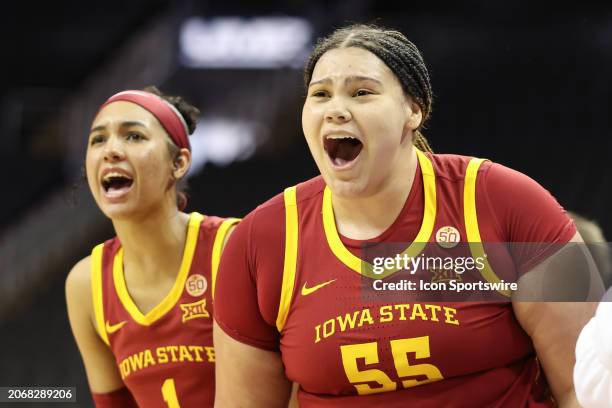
x,y
99,361
78,283
79,276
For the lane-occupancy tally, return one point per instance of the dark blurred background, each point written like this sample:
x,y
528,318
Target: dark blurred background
x,y
526,84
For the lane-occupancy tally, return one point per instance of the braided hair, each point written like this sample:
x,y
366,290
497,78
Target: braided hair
x,y
396,51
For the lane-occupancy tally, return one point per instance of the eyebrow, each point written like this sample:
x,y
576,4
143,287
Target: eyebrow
x,y
352,78
125,124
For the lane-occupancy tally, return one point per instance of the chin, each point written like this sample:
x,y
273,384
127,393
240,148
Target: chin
x,y
119,212
354,188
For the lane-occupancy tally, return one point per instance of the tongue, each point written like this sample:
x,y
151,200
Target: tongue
x,y
344,151
116,191
338,161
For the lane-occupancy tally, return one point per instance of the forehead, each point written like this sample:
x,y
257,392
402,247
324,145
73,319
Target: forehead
x,y
351,61
122,111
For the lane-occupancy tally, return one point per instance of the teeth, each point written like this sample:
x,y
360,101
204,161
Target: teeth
x,y
114,174
340,137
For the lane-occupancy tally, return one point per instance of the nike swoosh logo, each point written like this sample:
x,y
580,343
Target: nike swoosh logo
x,y
307,291
113,328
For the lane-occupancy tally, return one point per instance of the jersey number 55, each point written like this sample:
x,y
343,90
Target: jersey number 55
x,y
400,349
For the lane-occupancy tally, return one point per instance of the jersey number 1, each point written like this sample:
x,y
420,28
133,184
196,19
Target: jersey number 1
x,y
169,393
400,349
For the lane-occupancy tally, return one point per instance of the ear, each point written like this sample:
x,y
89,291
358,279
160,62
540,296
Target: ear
x,y
181,163
414,115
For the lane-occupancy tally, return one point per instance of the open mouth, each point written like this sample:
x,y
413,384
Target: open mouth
x,y
342,150
115,184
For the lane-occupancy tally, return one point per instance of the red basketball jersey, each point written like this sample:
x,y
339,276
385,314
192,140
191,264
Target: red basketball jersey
x,y
166,356
346,347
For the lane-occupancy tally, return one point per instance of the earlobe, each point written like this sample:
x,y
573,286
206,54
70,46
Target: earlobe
x,y
176,168
415,116
181,163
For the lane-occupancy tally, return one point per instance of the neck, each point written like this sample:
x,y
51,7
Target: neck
x,y
367,217
153,245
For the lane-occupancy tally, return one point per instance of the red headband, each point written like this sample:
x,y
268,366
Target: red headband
x,y
169,117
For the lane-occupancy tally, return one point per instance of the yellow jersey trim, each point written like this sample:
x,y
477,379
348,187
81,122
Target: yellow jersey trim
x,y
218,248
173,296
96,291
419,243
471,223
291,248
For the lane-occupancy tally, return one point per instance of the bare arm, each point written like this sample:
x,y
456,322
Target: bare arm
x,y
102,373
293,401
554,327
247,376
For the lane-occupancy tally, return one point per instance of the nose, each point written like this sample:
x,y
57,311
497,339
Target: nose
x,y
113,150
337,113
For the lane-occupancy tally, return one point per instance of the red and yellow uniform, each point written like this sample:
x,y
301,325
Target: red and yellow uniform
x,y
166,356
289,282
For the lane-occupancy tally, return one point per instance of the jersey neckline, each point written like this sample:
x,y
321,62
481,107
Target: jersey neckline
x,y
415,191
174,295
429,215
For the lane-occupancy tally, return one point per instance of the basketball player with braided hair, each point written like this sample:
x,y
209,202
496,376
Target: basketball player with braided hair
x,y
290,304
140,306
